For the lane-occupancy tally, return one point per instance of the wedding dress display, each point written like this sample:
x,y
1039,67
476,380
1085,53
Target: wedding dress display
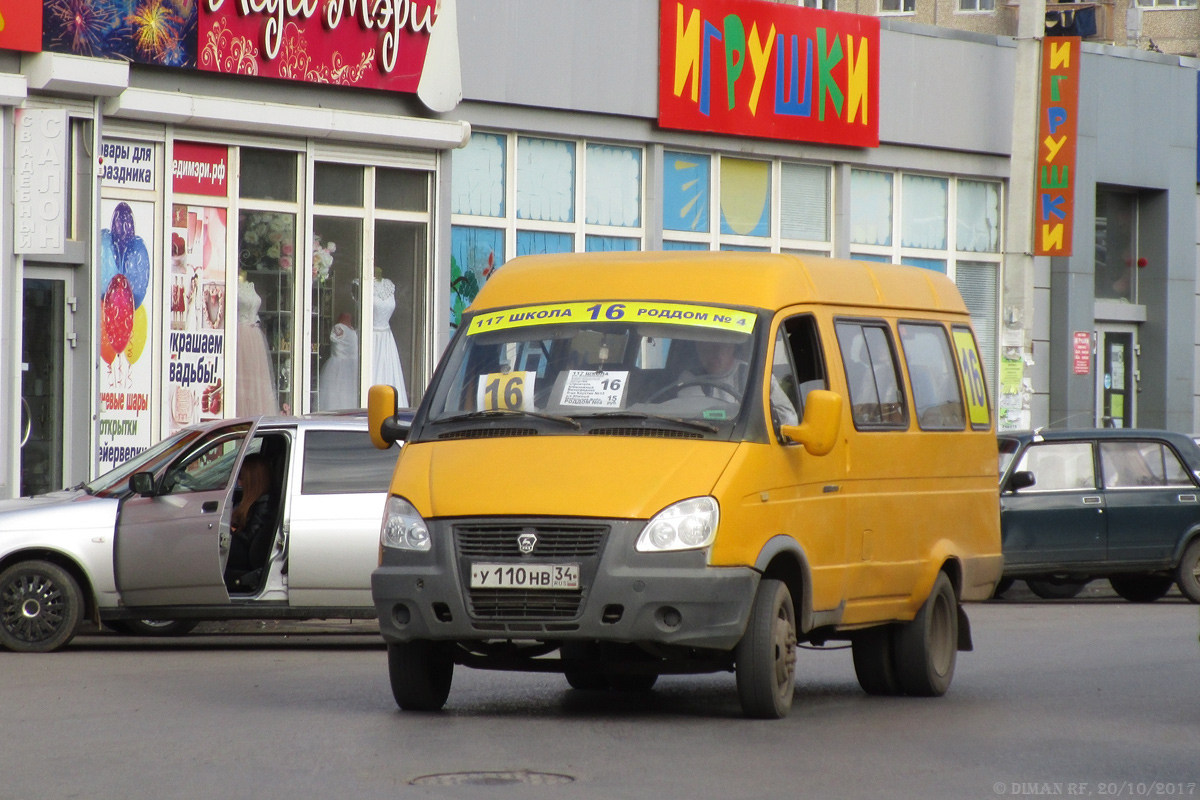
x,y
339,373
255,378
388,370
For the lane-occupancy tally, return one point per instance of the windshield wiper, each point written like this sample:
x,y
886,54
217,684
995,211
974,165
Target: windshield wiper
x,y
689,423
505,412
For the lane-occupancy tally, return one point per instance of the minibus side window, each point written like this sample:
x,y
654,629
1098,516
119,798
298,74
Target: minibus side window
x,y
876,399
937,400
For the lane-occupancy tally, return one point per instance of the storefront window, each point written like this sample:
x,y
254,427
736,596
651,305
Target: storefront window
x,y
268,175
398,289
545,180
745,197
685,192
401,190
804,202
978,228
607,244
265,303
977,282
478,176
614,186
924,212
1116,246
475,253
336,312
338,185
870,207
532,243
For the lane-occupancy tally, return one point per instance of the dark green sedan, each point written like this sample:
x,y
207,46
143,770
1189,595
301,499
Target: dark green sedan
x,y
1121,504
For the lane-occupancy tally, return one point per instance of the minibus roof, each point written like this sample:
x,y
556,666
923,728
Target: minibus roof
x,y
761,280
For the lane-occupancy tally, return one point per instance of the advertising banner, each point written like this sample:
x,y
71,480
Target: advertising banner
x,y
40,193
375,45
126,300
199,168
755,68
195,349
21,25
129,165
1058,120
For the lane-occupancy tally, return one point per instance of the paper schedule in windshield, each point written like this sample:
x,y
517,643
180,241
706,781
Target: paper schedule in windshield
x,y
588,389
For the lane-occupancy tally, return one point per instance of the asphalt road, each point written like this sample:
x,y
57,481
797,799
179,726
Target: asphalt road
x,y
1096,697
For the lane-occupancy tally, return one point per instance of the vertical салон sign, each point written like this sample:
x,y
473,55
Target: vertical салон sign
x,y
1058,121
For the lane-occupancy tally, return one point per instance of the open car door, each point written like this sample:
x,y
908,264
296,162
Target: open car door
x,y
171,547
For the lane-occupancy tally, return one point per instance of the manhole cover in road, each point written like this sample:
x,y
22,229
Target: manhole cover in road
x,y
491,778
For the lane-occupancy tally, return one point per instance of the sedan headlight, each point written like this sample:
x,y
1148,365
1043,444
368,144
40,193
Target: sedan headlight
x,y
686,525
403,527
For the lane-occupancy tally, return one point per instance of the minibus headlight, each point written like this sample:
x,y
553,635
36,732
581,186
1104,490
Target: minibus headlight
x,y
686,525
403,528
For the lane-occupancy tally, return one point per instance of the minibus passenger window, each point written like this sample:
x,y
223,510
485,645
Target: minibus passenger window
x,y
937,401
871,376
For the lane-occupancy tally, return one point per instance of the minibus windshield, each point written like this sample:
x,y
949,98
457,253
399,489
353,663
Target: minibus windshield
x,y
563,363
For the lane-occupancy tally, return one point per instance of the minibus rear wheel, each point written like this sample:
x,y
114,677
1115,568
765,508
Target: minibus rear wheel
x,y
765,658
927,647
875,661
421,672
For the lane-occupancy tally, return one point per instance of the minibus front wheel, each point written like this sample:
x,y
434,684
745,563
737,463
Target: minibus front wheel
x,y
421,672
765,658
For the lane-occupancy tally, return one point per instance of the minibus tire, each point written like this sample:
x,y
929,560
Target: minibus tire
x,y
421,672
633,683
765,658
875,661
927,647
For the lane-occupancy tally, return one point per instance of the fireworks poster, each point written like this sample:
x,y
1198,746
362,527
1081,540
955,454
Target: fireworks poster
x,y
195,353
126,298
161,32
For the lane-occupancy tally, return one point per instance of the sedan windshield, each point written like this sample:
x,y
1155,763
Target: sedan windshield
x,y
629,363
115,482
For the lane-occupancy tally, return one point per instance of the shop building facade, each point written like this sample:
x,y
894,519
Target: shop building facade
x,y
364,220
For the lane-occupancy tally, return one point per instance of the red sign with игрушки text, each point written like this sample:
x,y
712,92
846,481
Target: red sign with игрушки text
x,y
754,68
374,44
21,25
1058,122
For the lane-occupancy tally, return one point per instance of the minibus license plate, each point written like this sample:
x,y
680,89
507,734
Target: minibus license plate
x,y
524,576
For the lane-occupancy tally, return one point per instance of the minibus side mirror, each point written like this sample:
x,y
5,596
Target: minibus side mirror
x,y
382,424
1022,479
142,483
822,423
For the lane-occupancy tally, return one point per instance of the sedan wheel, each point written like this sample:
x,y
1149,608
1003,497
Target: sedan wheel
x,y
1141,588
40,607
1056,590
1187,575
152,627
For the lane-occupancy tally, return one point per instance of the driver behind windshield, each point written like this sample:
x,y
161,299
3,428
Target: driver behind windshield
x,y
722,376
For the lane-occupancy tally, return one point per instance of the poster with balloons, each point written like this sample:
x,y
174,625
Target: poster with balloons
x,y
126,303
195,353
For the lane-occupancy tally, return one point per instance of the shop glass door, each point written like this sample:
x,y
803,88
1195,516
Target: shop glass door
x,y
1116,389
43,374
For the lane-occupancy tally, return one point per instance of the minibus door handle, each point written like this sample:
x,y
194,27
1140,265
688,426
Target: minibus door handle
x,y
831,488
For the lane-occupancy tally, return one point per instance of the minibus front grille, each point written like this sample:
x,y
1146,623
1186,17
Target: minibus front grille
x,y
661,433
514,603
552,540
488,433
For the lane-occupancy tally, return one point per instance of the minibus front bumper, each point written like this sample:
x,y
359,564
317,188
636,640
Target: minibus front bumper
x,y
623,596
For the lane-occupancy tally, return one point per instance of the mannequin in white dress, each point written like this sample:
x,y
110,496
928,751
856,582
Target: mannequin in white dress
x,y
339,373
255,378
386,357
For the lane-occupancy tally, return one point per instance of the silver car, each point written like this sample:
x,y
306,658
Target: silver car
x,y
144,548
